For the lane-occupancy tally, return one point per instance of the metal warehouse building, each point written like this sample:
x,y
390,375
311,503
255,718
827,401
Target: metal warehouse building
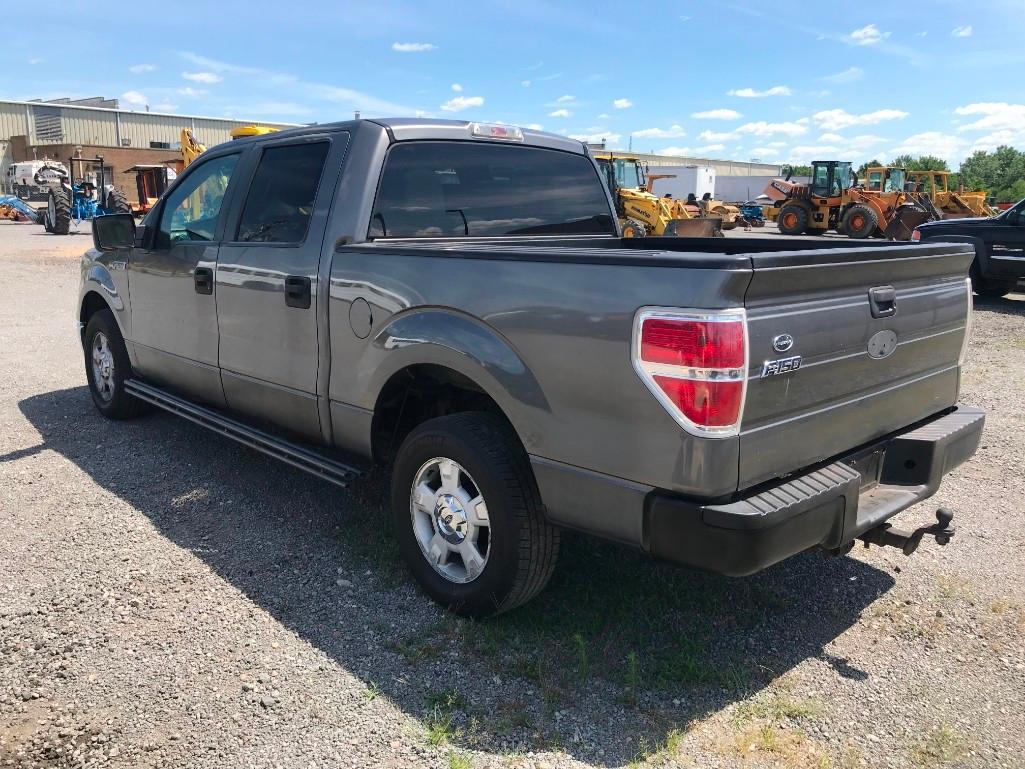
x,y
63,128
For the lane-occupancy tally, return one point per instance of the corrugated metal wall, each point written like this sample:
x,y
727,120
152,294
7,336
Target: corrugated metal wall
x,y
87,126
12,120
141,128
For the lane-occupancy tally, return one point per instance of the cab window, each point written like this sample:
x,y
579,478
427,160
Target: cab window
x,y
458,189
281,197
191,211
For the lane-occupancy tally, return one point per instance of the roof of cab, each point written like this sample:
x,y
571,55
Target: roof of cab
x,y
412,129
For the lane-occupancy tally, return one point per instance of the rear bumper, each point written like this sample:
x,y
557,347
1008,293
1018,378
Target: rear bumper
x,y
826,507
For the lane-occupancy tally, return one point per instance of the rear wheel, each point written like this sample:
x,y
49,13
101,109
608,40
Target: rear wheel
x,y
989,288
117,203
860,222
58,210
468,515
792,220
107,367
634,229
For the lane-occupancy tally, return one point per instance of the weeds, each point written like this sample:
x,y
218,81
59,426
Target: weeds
x,y
942,746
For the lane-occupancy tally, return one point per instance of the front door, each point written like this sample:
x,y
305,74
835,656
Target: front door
x,y
171,283
267,284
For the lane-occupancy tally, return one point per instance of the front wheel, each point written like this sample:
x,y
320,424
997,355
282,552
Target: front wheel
x,y
468,515
792,220
860,222
107,366
634,229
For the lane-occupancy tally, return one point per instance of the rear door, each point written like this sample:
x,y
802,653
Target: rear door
x,y
878,332
268,283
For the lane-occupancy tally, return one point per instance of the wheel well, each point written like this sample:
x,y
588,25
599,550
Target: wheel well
x,y
418,393
92,303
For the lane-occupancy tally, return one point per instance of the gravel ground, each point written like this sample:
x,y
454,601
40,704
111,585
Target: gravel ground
x,y
170,599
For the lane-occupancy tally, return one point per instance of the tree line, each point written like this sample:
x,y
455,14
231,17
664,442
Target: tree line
x,y
1001,172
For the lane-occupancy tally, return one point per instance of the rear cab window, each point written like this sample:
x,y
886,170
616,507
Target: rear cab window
x,y
433,189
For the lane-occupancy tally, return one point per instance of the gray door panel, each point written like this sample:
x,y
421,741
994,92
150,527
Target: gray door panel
x,y
267,290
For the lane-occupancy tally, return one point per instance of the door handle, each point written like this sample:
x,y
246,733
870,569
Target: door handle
x,y
883,300
297,291
204,277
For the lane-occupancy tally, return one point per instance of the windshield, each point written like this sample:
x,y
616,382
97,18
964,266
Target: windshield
x,y
629,174
895,180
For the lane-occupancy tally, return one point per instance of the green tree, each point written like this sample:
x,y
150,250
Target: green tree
x,y
873,163
920,163
1001,173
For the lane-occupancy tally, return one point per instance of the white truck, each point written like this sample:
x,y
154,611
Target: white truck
x,y
34,177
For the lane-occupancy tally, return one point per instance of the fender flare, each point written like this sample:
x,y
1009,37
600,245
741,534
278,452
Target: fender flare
x,y
458,341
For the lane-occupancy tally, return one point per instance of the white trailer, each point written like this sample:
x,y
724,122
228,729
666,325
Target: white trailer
x,y
684,181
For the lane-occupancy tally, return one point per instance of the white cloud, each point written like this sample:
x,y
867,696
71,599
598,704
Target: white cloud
x,y
560,113
849,75
139,69
603,116
165,107
965,31
193,92
36,60
459,103
567,98
764,152
686,18
202,77
597,138
751,93
831,138
622,103
535,127
716,114
457,88
710,148
931,143
921,34
691,151
867,35
776,144
673,132
838,119
525,83
134,98
757,128
413,47
993,116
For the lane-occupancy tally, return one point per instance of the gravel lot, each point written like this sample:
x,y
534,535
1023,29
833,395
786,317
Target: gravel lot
x,y
170,599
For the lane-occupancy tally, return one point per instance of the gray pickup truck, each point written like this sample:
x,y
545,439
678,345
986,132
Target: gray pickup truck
x,y
455,300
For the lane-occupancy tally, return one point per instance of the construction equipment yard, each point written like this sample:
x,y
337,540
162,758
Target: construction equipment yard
x,y
171,599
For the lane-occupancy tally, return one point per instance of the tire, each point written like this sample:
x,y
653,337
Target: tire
x,y
860,222
989,288
792,220
58,205
487,463
634,229
117,203
107,367
44,219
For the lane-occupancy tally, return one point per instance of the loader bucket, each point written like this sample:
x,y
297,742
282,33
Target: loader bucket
x,y
904,221
695,228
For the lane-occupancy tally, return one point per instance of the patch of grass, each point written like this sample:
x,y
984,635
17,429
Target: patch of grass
x,y
633,677
942,746
414,649
513,715
373,691
580,645
459,761
777,708
447,700
439,727
789,747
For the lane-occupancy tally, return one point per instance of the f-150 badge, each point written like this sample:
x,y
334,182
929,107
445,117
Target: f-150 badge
x,y
781,366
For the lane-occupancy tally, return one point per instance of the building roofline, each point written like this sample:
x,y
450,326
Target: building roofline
x,y
243,121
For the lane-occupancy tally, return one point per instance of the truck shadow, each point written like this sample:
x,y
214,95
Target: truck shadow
x,y
614,656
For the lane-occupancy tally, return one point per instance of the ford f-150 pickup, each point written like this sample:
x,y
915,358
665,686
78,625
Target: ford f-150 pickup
x,y
454,300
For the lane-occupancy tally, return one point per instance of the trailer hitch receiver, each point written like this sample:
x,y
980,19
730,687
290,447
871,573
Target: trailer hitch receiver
x,y
886,535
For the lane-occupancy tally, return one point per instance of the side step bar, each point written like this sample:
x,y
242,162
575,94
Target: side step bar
x,y
279,448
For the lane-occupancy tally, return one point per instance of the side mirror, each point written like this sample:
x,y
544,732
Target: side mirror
x,y
113,231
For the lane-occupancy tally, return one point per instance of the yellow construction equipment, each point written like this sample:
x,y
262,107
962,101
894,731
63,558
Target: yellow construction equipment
x,y
192,148
954,204
643,213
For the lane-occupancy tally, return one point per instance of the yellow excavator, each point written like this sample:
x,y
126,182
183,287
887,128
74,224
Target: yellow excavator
x,y
640,211
954,204
192,148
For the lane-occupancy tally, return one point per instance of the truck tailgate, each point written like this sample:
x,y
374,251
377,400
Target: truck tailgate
x,y
856,380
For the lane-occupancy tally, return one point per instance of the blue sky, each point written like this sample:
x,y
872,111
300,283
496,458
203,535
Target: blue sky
x,y
781,82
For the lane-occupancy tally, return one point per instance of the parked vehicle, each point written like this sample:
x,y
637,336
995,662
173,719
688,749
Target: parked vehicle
x,y
999,245
90,195
455,300
32,178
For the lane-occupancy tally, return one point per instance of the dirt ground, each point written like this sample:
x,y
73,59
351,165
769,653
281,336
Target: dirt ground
x,y
171,599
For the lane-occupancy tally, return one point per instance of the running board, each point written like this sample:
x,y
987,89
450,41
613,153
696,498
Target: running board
x,y
279,448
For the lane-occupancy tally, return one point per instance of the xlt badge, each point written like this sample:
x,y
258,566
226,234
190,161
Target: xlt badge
x,y
781,366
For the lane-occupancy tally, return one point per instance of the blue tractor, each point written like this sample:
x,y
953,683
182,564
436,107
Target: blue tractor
x,y
88,196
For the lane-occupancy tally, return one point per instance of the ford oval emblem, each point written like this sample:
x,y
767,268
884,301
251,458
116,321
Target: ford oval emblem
x,y
782,343
882,344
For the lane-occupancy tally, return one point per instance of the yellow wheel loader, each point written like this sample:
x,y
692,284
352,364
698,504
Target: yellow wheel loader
x,y
643,213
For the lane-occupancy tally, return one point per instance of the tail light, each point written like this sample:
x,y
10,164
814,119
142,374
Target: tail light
x,y
695,363
916,236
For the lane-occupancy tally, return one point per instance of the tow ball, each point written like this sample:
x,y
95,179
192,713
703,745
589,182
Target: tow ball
x,y
886,535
